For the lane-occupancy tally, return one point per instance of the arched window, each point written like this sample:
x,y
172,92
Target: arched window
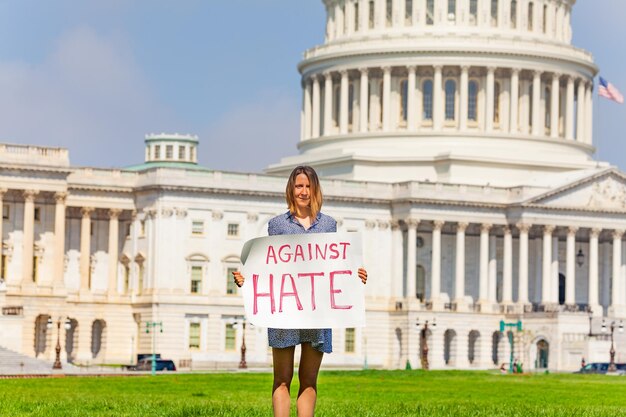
x,y
451,11
430,12
494,13
496,103
472,101
543,349
408,13
531,12
473,340
97,337
427,100
513,14
404,101
548,108
473,12
450,87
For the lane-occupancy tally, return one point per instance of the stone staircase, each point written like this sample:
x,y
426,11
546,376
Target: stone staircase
x,y
13,363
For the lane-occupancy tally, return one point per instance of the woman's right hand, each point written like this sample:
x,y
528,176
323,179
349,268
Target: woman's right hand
x,y
239,279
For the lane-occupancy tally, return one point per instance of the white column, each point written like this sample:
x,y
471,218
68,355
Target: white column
x,y
554,275
435,284
2,193
307,109
569,109
616,286
29,231
483,285
459,292
493,269
59,239
437,98
396,236
522,292
507,273
547,264
411,263
514,110
411,108
463,97
589,114
343,109
536,120
593,271
489,99
364,101
114,215
85,247
328,103
555,93
580,113
386,99
315,128
570,267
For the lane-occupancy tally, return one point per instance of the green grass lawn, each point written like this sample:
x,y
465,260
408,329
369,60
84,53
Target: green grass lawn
x,y
359,393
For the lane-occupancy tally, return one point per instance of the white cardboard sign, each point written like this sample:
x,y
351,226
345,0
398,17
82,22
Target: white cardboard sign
x,y
304,281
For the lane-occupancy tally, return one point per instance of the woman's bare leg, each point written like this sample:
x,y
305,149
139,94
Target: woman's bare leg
x,y
283,373
310,361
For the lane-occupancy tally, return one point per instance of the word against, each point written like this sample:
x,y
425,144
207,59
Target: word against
x,y
305,281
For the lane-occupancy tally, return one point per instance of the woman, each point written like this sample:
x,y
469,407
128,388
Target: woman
x,y
304,198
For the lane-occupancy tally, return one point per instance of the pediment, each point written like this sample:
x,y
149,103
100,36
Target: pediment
x,y
604,191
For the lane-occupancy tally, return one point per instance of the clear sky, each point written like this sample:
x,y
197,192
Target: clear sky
x,y
95,76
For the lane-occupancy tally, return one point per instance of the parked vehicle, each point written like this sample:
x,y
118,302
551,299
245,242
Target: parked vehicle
x,y
601,368
145,364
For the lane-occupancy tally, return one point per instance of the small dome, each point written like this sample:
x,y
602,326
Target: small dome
x,y
171,147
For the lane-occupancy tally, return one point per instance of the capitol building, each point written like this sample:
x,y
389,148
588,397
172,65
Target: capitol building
x,y
454,135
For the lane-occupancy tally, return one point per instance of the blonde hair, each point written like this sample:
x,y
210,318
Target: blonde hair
x,y
316,189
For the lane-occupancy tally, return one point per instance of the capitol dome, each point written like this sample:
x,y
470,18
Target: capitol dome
x,y
459,91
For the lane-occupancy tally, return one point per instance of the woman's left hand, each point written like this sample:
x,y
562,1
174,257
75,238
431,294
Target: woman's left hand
x,y
363,275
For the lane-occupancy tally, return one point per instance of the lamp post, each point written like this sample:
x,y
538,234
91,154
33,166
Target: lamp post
x,y
612,367
150,328
424,341
57,349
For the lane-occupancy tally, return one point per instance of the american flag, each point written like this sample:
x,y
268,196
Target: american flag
x,y
608,90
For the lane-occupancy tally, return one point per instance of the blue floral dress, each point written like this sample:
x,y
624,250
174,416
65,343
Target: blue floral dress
x,y
320,339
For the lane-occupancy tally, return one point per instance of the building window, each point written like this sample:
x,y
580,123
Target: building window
x,y
345,19
494,13
37,214
496,103
231,287
196,279
548,108
142,228
451,11
404,102
356,17
430,12
450,87
350,105
427,100
157,151
36,268
140,277
3,267
381,102
232,230
197,227
531,13
181,153
472,101
530,105
229,342
371,14
126,277
513,14
169,152
473,12
408,13
5,212
192,154
349,340
336,104
544,24
389,13
194,336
